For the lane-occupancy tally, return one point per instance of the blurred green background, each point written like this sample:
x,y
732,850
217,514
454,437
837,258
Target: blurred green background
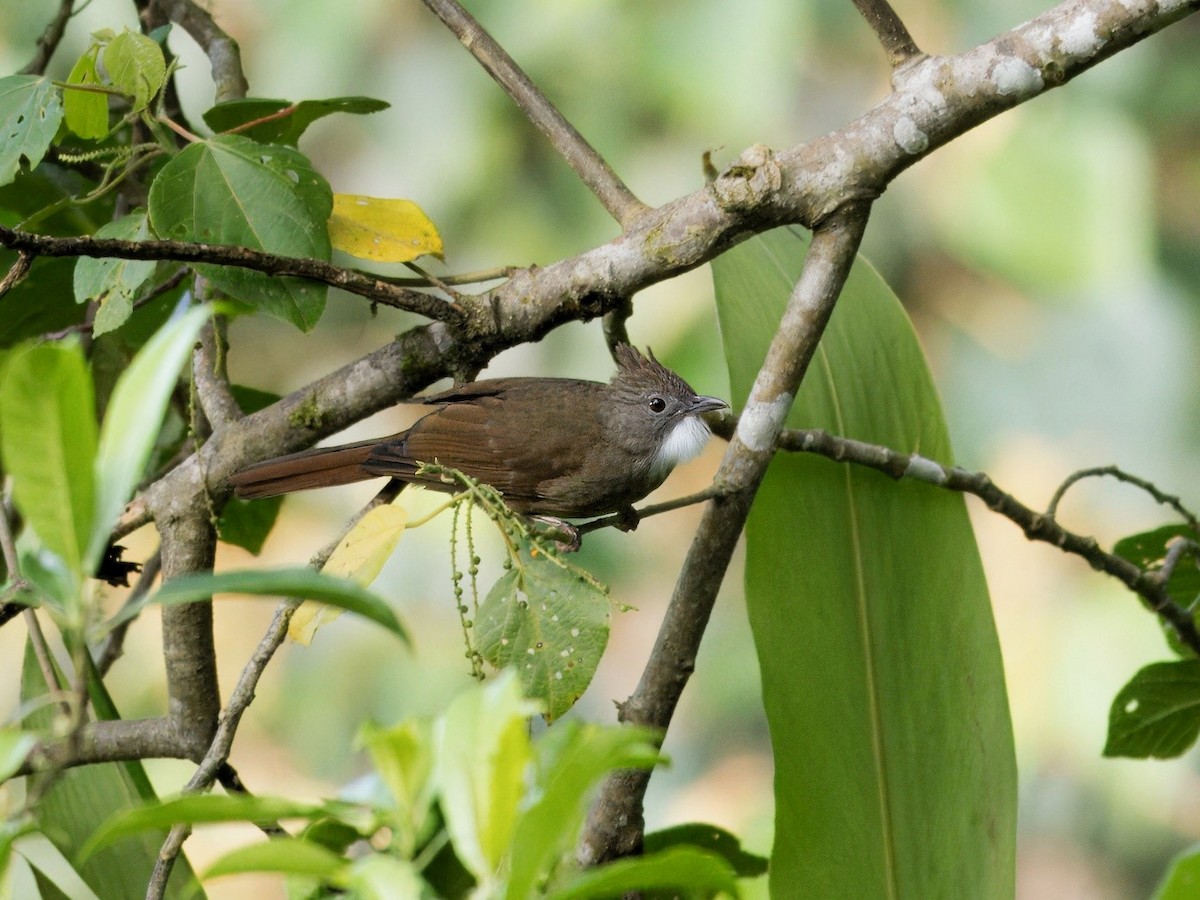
x,y
1051,261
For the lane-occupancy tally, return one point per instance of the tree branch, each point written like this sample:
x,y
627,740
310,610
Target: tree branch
x,y
50,39
589,165
896,41
351,280
614,825
224,56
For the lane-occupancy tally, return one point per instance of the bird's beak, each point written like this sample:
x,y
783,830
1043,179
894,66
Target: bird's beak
x,y
706,404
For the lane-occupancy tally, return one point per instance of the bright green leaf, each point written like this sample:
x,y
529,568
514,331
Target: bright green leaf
x,y
14,747
1147,550
197,809
285,129
288,856
882,679
136,67
132,421
1157,714
53,866
303,583
682,870
572,758
482,749
86,111
234,191
549,621
48,440
30,112
380,877
111,281
403,757
1182,881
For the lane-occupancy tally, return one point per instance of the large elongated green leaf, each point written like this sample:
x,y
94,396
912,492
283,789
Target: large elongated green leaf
x,y
134,416
232,190
882,680
48,438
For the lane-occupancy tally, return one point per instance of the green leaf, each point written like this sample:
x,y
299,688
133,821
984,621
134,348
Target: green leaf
x,y
682,870
14,747
1147,549
301,583
30,112
132,421
1182,881
48,440
403,757
713,839
86,112
247,523
114,282
572,758
289,856
136,67
285,129
1157,714
482,749
198,809
234,191
80,799
53,866
549,621
882,678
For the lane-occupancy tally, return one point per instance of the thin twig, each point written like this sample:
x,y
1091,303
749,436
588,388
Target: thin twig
x,y
896,41
211,377
589,165
16,272
349,280
50,39
1116,472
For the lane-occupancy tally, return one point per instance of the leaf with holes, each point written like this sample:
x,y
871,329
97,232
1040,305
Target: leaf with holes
x,y
549,621
1157,713
30,110
235,191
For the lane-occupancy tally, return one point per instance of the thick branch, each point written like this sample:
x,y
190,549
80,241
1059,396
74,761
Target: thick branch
x,y
224,56
589,165
615,824
50,39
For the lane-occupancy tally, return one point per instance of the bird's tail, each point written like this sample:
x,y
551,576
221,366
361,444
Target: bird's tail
x,y
323,467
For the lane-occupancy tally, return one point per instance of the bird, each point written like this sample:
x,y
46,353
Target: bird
x,y
558,448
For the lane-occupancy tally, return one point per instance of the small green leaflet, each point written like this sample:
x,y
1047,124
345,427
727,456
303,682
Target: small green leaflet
x,y
1157,713
30,112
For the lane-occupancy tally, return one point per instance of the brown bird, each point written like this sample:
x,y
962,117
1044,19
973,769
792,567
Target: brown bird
x,y
557,447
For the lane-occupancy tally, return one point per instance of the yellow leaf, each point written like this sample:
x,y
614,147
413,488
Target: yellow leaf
x,y
359,556
382,230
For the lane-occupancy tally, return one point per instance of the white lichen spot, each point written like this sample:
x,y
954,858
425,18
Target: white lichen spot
x,y
1131,707
503,642
554,618
924,469
564,653
529,650
1016,78
558,676
760,423
910,138
574,632
1079,38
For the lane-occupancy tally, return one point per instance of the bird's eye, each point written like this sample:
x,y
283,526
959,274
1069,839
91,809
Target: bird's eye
x,y
657,404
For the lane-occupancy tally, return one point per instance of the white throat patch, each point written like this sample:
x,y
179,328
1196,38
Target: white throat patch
x,y
686,439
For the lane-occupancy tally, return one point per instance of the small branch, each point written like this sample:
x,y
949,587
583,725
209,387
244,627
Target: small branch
x,y
50,39
1147,584
890,30
211,378
589,165
1115,472
224,56
16,272
614,325
349,280
615,823
616,520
